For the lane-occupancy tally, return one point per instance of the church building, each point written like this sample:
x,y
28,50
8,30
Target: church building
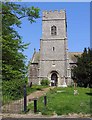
x,y
53,61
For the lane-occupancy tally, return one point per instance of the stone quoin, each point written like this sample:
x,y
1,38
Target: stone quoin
x,y
53,61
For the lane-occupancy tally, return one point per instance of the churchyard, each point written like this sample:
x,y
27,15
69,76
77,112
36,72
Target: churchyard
x,y
62,101
59,101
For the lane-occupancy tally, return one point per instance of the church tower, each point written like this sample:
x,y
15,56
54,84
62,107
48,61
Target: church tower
x,y
53,63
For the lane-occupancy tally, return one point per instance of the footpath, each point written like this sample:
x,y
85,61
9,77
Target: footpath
x,y
38,94
16,106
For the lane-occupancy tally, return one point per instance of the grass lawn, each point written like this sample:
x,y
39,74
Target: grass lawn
x,y
63,101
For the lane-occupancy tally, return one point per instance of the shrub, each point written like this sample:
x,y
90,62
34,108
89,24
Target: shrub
x,y
13,88
45,82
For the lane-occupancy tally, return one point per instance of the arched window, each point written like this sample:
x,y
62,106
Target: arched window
x,y
53,30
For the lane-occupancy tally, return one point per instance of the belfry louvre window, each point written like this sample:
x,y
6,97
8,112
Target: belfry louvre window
x,y
53,30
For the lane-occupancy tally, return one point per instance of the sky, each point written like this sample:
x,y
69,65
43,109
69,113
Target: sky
x,y
78,25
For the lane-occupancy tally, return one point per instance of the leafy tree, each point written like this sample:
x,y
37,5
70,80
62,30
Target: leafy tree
x,y
82,72
13,60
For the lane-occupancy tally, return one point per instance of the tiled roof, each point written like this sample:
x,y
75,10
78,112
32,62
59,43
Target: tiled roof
x,y
36,57
72,58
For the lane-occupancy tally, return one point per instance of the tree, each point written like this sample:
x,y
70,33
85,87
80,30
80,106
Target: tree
x,y
13,60
82,72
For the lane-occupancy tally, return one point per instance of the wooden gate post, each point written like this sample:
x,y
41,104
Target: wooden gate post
x,y
35,105
25,99
45,100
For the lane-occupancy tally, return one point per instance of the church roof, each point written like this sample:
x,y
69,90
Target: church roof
x,y
72,58
36,57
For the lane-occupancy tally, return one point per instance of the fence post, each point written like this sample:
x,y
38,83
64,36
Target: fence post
x,y
25,99
45,100
35,105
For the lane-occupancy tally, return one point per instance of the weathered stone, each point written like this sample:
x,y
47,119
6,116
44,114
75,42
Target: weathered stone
x,y
53,61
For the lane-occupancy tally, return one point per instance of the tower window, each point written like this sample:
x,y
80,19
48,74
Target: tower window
x,y
53,49
53,30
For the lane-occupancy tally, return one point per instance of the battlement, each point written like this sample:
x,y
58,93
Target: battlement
x,y
54,14
55,11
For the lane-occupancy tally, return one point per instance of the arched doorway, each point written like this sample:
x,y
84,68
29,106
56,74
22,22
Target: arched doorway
x,y
54,79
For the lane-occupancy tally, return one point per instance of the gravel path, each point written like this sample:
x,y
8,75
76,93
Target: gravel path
x,y
38,94
32,115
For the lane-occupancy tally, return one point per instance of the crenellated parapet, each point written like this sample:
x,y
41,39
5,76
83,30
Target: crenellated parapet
x,y
47,15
